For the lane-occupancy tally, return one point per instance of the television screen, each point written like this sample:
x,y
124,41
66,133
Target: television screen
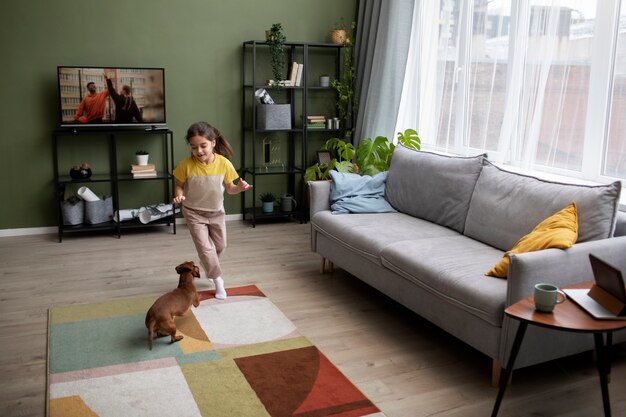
x,y
111,96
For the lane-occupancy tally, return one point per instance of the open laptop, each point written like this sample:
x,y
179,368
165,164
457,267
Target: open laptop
x,y
609,279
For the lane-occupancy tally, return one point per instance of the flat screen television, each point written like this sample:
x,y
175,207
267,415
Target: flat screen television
x,y
111,96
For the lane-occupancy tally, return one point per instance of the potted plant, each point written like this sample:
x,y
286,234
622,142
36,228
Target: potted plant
x,y
372,155
142,157
339,34
347,103
276,41
267,200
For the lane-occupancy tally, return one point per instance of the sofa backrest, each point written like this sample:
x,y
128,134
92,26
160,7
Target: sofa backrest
x,y
433,187
505,206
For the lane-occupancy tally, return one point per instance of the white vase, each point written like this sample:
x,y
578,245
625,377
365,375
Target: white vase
x,y
142,159
324,81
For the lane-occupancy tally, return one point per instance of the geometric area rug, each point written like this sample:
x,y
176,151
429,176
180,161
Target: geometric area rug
x,y
240,357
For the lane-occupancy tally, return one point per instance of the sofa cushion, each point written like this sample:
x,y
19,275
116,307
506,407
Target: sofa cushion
x,y
558,231
369,234
434,187
354,193
506,206
453,268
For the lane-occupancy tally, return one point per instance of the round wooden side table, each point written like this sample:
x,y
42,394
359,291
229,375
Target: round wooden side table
x,y
568,317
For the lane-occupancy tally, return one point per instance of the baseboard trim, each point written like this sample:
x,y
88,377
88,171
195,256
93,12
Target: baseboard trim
x,y
26,231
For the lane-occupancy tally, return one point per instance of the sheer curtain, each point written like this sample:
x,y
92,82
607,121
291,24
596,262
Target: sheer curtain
x,y
528,81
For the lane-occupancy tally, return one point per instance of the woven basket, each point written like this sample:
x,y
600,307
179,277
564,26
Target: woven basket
x,y
338,36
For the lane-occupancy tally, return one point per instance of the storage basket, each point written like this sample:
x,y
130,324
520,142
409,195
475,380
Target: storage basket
x,y
273,116
99,211
73,214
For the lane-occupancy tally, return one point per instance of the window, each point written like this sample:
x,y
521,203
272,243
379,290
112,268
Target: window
x,y
537,84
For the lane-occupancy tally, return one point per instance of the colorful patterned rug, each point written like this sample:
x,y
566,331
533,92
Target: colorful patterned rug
x,y
240,357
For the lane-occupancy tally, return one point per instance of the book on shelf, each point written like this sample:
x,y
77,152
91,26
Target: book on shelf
x,y
315,119
299,72
293,73
145,174
148,167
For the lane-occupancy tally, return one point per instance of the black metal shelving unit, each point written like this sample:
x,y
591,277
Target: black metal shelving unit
x,y
298,98
114,177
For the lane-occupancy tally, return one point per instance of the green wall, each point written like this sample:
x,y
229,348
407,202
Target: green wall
x,y
198,42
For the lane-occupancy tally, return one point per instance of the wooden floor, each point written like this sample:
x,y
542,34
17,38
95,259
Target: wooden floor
x,y
405,365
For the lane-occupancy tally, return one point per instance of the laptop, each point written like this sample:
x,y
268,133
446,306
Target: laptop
x,y
607,298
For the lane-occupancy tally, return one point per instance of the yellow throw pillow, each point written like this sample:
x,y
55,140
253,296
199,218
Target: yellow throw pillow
x,y
557,231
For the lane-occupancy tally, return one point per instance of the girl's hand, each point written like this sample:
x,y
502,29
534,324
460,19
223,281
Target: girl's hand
x,y
242,185
178,199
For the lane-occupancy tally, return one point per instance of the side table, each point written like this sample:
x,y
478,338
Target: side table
x,y
568,317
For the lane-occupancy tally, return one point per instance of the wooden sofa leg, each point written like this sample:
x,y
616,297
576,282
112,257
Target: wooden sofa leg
x,y
323,265
496,371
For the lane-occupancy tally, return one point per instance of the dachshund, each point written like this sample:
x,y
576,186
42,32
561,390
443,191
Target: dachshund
x,y
160,317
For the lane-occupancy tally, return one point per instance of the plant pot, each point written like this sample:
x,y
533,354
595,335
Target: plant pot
x,y
338,36
142,159
267,207
324,81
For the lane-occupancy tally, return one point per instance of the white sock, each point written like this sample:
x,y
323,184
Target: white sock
x,y
220,291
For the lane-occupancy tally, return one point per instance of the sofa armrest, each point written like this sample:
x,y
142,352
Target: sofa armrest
x,y
320,196
560,267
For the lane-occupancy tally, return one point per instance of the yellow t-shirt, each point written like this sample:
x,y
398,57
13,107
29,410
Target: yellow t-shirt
x,y
204,184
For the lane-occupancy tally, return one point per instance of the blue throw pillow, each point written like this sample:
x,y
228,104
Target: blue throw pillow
x,y
353,193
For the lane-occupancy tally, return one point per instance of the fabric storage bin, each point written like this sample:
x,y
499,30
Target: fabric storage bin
x,y
273,116
99,211
73,214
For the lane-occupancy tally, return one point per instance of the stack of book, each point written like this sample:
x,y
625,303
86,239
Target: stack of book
x,y
315,122
143,171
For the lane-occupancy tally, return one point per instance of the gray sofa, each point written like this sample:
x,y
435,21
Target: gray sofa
x,y
455,219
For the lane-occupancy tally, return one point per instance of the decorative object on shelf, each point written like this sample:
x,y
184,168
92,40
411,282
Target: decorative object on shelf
x,y
142,157
86,194
73,211
149,214
80,172
263,97
267,200
324,80
372,155
276,41
287,203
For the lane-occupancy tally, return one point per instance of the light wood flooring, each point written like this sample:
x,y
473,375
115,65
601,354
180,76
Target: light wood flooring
x,y
405,365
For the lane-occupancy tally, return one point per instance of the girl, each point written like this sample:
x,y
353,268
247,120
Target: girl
x,y
200,183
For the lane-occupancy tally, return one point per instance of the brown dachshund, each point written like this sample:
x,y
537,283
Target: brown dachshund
x,y
160,317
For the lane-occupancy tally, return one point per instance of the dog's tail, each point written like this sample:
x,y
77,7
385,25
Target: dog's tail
x,y
150,326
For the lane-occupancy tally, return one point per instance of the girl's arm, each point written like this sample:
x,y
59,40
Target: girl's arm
x,y
179,189
241,186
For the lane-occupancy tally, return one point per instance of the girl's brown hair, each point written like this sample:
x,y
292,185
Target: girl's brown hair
x,y
204,129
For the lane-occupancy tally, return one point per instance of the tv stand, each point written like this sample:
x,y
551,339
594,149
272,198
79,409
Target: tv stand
x,y
154,128
112,174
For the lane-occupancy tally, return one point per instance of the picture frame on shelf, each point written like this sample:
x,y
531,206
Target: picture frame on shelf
x,y
324,157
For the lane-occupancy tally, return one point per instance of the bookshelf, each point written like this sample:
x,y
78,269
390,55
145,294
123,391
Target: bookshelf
x,y
274,159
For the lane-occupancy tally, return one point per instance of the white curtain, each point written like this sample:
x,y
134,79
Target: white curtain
x,y
528,81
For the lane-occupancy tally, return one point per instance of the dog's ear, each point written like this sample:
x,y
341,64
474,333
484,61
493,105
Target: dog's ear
x,y
196,271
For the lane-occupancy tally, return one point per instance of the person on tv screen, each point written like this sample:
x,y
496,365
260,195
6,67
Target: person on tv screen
x,y
126,108
91,108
